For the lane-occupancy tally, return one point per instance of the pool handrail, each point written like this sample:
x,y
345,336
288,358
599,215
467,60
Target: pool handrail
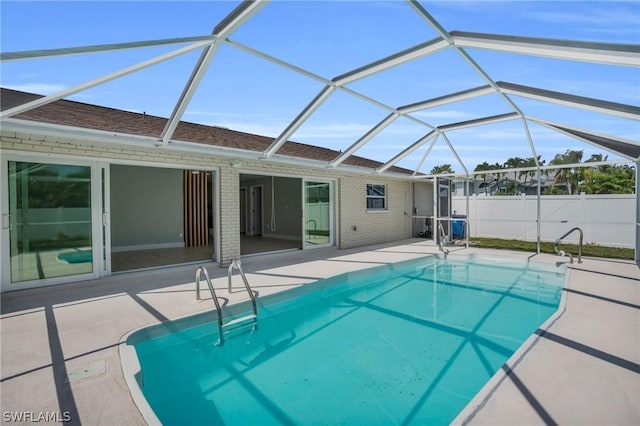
x,y
315,228
441,240
236,264
562,253
235,323
200,270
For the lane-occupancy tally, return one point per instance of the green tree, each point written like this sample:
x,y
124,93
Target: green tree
x,y
570,176
443,168
609,179
483,167
499,175
513,163
597,158
530,162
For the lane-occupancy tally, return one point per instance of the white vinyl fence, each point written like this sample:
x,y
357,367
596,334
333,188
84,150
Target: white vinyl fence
x,y
606,220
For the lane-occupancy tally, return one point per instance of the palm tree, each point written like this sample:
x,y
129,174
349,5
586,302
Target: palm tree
x,y
530,162
567,175
596,158
444,168
514,163
482,167
498,175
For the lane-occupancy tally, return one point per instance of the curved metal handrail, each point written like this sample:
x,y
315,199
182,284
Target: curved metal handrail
x,y
441,241
315,227
236,264
200,270
562,253
235,322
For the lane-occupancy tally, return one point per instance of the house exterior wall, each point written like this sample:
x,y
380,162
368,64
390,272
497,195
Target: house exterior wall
x,y
355,226
373,226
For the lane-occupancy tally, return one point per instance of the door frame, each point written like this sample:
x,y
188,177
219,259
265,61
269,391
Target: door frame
x,y
443,183
332,227
243,211
215,191
97,240
333,188
100,213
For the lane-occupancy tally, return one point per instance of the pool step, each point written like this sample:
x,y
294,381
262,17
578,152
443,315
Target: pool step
x,y
240,322
236,325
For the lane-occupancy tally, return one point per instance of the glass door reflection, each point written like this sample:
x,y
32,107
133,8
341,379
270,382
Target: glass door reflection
x,y
50,220
317,225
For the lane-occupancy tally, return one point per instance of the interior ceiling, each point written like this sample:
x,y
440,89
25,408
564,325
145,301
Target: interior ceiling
x,y
493,102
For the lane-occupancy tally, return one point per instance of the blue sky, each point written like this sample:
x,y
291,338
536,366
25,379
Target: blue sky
x,y
328,38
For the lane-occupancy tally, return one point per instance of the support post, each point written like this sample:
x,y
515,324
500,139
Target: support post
x,y
637,214
538,214
466,221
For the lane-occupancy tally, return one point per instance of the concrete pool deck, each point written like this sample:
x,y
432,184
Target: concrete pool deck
x,y
60,357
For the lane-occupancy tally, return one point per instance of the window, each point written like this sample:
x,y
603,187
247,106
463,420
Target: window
x,y
376,197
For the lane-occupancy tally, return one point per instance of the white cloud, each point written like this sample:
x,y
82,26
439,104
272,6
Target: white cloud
x,y
611,18
449,114
333,130
39,88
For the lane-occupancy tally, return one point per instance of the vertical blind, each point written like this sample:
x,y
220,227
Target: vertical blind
x,y
196,218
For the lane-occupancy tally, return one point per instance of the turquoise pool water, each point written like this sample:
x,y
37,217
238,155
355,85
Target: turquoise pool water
x,y
406,344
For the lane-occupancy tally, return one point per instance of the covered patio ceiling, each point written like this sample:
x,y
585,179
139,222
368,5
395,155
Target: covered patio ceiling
x,y
414,124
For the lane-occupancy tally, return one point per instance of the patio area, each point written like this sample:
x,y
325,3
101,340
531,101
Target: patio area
x,y
60,344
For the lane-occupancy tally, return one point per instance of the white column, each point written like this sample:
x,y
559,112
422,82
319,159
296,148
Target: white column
x,y
637,214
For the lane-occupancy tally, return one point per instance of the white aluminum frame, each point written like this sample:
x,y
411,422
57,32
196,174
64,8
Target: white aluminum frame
x,y
332,212
592,52
96,219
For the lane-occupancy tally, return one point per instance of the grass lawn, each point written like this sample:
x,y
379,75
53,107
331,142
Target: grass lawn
x,y
548,247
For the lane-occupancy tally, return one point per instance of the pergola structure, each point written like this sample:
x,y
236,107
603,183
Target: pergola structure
x,y
459,42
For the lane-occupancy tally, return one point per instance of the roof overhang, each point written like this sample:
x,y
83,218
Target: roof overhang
x,y
91,136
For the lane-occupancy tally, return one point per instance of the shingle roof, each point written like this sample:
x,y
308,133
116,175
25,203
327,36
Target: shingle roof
x,y
83,115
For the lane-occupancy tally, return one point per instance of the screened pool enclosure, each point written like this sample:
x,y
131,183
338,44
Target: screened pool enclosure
x,y
412,85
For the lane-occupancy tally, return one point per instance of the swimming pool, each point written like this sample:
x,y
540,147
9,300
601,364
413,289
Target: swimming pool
x,y
408,343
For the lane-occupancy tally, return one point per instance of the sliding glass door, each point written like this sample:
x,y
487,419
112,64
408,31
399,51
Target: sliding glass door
x,y
50,222
318,213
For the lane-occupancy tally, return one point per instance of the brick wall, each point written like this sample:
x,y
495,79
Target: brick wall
x,y
358,226
355,226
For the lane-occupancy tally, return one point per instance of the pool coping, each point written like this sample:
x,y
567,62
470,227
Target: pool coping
x,y
130,364
130,368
